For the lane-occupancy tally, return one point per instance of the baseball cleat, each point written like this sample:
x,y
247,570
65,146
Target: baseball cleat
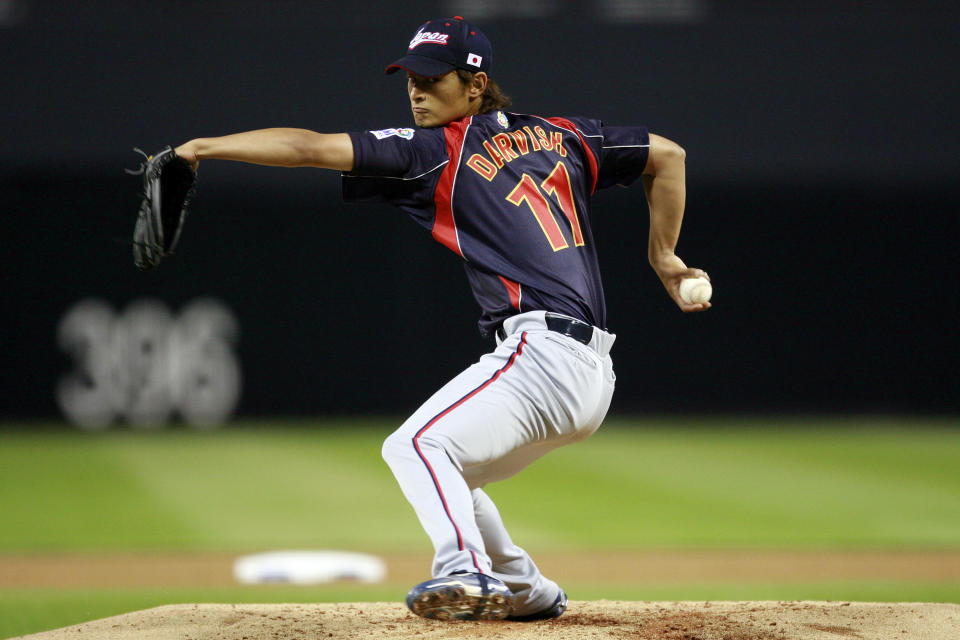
x,y
461,596
553,611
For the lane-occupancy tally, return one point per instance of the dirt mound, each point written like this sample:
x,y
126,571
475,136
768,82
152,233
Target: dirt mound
x,y
598,619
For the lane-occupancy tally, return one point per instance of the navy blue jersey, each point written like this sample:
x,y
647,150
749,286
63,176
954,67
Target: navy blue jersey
x,y
509,193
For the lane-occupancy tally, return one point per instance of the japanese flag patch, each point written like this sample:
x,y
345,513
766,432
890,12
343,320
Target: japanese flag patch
x,y
474,59
406,134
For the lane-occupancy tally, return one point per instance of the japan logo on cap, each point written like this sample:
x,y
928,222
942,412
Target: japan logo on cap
x,y
422,37
474,59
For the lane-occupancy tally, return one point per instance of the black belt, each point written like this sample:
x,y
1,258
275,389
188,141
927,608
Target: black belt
x,y
579,331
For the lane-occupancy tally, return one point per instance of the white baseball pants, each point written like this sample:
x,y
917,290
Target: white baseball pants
x,y
538,390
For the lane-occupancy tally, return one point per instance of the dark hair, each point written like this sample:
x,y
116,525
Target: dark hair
x,y
493,98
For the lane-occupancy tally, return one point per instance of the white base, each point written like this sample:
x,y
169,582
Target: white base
x,y
308,567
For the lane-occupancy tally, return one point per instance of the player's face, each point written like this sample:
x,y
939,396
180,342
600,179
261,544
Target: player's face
x,y
437,101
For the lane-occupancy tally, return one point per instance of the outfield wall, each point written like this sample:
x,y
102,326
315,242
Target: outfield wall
x,y
822,199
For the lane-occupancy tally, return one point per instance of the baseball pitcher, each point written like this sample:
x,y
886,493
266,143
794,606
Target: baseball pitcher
x,y
510,193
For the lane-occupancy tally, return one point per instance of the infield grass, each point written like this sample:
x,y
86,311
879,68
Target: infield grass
x,y
655,483
851,483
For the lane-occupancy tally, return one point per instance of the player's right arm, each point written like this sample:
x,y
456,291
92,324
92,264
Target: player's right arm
x,y
280,147
665,183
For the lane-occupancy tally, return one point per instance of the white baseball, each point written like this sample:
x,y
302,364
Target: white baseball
x,y
695,290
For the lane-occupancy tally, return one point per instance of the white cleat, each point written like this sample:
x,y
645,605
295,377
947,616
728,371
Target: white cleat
x,y
461,596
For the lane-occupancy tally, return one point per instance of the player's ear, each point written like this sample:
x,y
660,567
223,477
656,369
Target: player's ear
x,y
478,84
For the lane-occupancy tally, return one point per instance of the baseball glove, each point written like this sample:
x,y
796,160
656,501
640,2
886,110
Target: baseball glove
x,y
169,182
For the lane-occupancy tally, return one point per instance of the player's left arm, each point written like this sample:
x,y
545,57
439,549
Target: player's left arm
x,y
278,147
665,183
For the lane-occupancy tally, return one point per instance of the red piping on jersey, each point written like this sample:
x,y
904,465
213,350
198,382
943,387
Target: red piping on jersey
x,y
591,159
444,226
513,290
436,418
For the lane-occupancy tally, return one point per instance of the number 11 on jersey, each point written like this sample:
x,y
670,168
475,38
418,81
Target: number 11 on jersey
x,y
557,185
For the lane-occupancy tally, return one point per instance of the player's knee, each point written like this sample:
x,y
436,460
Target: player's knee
x,y
399,447
396,447
389,449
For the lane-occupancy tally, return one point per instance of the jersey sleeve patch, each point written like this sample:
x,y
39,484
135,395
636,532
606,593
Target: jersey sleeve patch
x,y
406,134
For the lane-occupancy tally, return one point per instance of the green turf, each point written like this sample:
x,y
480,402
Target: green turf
x,y
670,483
243,488
853,483
849,484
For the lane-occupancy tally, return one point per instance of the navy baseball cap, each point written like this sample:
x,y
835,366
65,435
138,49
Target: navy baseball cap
x,y
445,44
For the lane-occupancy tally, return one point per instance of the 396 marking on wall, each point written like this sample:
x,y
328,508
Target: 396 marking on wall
x,y
145,365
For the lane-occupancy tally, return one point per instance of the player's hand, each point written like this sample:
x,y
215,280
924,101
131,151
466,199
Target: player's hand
x,y
671,271
187,152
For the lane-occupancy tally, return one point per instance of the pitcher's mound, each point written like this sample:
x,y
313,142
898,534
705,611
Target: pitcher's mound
x,y
596,619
